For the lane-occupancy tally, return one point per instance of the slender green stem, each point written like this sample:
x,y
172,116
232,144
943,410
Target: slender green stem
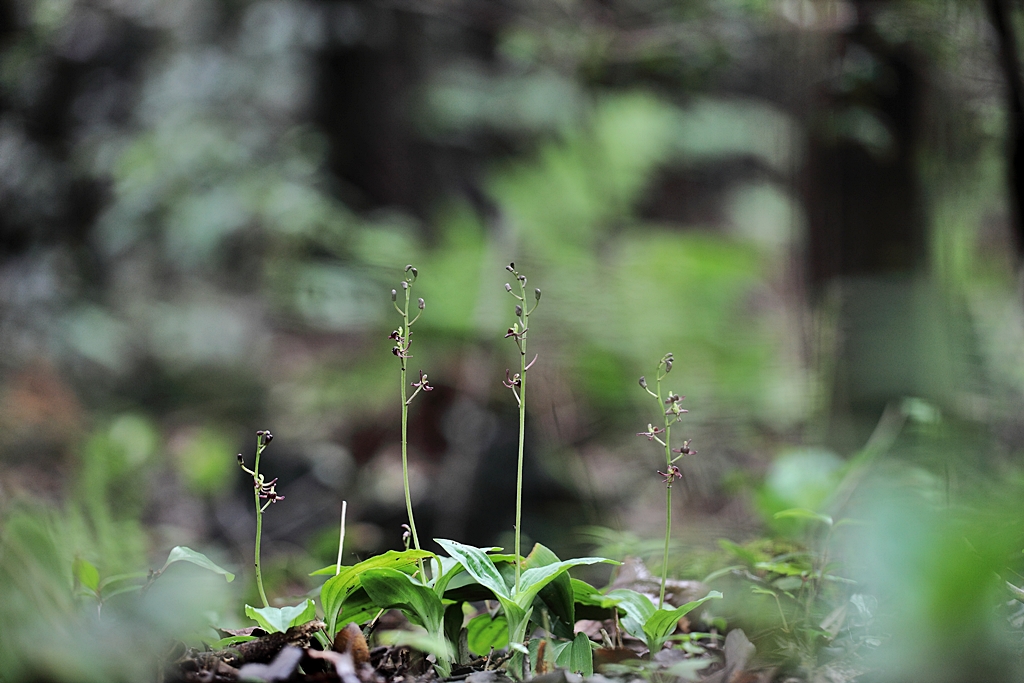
x,y
405,426
259,523
668,492
522,432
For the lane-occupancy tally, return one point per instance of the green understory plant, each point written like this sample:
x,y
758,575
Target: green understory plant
x,y
517,383
517,601
403,344
88,581
265,494
670,412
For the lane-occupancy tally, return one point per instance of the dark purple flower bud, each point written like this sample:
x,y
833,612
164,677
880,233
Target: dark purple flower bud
x,y
397,351
241,460
511,333
394,295
409,267
519,311
267,436
536,294
511,267
259,433
508,287
405,285
643,381
415,273
422,304
396,335
521,278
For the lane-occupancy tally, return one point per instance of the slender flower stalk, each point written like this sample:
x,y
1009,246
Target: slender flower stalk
x,y
671,410
517,383
262,491
403,341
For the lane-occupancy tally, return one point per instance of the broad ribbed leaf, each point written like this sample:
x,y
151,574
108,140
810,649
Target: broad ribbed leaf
x,y
390,588
484,632
533,580
479,565
182,554
638,608
280,619
337,589
557,595
581,658
662,623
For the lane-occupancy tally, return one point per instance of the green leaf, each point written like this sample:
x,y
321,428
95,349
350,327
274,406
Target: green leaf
x,y
804,513
86,573
638,608
448,569
479,565
581,659
329,570
280,619
484,632
662,623
337,589
562,654
533,580
182,554
358,608
557,595
390,588
117,578
749,557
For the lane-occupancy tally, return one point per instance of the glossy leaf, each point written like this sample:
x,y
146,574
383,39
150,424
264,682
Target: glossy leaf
x,y
182,554
484,632
532,581
392,589
337,589
280,619
662,623
479,565
86,573
581,657
558,595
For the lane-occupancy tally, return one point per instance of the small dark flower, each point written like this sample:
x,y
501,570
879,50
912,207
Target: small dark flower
x,y
241,460
685,450
672,474
512,380
536,294
511,333
405,285
396,335
643,381
673,398
409,267
651,432
511,267
508,287
519,311
422,304
521,278
422,384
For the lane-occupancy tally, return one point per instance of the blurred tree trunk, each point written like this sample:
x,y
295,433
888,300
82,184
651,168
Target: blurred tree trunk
x,y
868,234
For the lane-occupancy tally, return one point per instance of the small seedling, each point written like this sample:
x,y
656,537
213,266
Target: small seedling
x,y
403,343
671,412
265,493
517,383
